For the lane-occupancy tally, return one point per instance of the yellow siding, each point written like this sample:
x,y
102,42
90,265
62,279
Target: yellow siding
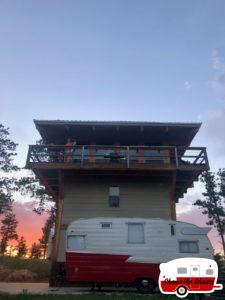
x,y
87,197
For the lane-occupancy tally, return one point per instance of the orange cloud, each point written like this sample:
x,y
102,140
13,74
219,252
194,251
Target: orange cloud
x,y
30,223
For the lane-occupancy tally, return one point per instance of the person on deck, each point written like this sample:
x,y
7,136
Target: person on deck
x,y
68,150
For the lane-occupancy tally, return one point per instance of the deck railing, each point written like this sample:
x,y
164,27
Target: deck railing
x,y
125,155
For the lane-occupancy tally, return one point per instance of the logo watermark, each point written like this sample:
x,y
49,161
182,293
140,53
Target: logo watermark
x,y
189,275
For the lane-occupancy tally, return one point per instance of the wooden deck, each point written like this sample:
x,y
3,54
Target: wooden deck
x,y
183,163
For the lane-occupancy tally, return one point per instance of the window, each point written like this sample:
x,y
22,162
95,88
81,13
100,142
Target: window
x,y
136,233
114,196
106,225
209,272
172,229
188,247
76,242
181,270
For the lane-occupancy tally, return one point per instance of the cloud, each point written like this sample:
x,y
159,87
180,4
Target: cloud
x,y
219,66
215,131
217,63
187,85
194,216
30,223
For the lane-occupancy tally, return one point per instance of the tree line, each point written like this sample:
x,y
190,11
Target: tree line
x,y
29,185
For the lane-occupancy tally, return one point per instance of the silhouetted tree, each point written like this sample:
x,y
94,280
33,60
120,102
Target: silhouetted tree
x,y
8,230
21,247
35,251
46,231
213,203
220,262
7,183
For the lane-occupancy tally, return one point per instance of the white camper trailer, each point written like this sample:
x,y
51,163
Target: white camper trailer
x,y
129,250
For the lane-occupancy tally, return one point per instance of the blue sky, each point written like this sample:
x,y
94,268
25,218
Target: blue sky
x,y
114,60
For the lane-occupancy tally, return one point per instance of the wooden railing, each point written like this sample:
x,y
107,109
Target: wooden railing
x,y
126,155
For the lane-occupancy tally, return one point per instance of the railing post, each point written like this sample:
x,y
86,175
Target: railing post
x,y
206,158
176,156
28,155
82,155
128,157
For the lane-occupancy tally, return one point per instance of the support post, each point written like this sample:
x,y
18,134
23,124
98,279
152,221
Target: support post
x,y
82,156
128,157
55,249
171,196
176,156
92,154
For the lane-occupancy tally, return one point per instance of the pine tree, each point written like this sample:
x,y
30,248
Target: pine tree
x,y
213,202
7,184
46,231
8,230
21,247
35,251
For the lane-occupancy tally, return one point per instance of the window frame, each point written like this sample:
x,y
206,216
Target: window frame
x,y
136,223
188,242
76,235
108,223
181,270
112,198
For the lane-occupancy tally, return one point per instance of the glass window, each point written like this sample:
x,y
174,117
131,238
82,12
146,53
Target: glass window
x,y
106,225
188,247
114,196
181,270
136,233
209,272
76,242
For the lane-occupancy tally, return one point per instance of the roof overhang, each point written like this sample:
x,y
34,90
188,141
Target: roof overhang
x,y
121,132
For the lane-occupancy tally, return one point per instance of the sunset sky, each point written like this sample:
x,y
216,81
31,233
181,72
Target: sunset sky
x,y
113,60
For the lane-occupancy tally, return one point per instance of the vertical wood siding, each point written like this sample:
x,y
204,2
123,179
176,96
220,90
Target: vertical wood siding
x,y
87,197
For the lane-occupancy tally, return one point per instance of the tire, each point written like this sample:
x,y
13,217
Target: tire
x,y
145,286
182,291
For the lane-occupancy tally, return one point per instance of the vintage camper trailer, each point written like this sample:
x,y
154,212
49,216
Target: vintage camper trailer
x,y
189,275
129,250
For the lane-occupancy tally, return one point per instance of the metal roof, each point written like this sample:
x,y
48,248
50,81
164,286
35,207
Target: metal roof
x,y
122,132
129,123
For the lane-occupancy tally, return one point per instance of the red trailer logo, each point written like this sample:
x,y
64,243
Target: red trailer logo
x,y
188,275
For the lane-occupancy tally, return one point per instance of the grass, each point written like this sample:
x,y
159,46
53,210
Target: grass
x,y
39,266
98,296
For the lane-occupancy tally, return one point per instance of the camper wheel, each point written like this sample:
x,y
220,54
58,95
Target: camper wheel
x,y
145,286
182,291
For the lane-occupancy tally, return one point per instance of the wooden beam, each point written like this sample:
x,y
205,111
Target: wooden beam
x,y
172,196
59,211
44,182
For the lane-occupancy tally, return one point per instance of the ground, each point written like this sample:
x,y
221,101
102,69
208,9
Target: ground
x,y
41,291
18,269
97,296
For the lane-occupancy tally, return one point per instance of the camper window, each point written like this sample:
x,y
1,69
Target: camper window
x,y
76,242
114,196
181,270
106,225
188,247
209,272
136,233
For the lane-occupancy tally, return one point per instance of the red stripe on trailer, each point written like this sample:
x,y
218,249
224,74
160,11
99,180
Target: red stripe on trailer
x,y
86,267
